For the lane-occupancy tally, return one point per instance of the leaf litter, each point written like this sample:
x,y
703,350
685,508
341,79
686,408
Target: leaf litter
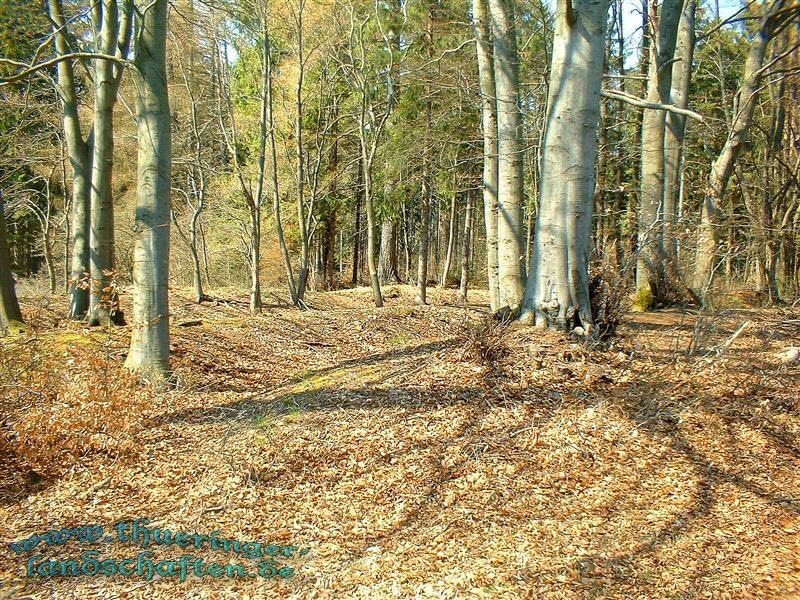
x,y
428,452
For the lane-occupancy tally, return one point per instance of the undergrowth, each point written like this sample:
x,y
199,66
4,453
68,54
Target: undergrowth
x,y
61,406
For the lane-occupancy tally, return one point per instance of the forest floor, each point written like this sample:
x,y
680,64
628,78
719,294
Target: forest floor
x,y
419,452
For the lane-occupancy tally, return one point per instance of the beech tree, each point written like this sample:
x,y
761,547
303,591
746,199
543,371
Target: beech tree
x,y
650,277
510,253
488,94
557,289
79,150
112,22
149,348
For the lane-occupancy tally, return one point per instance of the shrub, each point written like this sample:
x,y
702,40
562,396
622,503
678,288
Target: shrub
x,y
609,298
484,340
63,407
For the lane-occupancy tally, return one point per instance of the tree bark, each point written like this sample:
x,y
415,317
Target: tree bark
x,y
357,222
387,262
676,126
80,153
557,290
370,210
649,268
9,305
510,253
270,124
421,296
466,243
489,126
104,304
149,349
451,237
305,251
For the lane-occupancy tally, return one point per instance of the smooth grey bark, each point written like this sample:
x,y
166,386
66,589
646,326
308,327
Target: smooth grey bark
x,y
489,126
113,37
257,199
722,167
451,240
771,24
80,152
9,305
557,289
466,244
357,222
276,199
423,258
676,126
421,296
149,349
302,276
649,267
510,246
367,157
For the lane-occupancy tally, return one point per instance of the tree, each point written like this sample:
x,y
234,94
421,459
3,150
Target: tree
x,y
489,126
79,150
650,274
777,16
676,127
372,85
9,305
510,253
557,289
149,348
112,38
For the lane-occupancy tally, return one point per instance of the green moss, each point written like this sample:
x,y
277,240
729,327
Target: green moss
x,y
336,378
398,340
14,328
643,300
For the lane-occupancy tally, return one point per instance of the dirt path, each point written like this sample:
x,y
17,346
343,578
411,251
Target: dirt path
x,y
410,466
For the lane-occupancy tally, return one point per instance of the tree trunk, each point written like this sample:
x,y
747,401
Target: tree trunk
x,y
80,153
510,253
149,349
9,305
676,126
104,303
305,250
489,126
649,268
371,266
557,290
357,222
330,250
255,259
387,263
421,296
466,243
267,106
722,167
424,238
451,237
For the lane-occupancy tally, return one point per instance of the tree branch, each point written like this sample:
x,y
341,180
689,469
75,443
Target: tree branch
x,y
633,100
29,70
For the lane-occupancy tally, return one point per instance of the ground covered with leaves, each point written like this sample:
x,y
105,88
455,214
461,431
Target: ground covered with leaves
x,y
416,452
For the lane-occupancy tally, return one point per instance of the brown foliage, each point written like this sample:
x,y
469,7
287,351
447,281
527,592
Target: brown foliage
x,y
484,340
69,405
609,298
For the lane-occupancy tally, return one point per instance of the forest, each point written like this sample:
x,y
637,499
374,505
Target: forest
x,y
421,298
